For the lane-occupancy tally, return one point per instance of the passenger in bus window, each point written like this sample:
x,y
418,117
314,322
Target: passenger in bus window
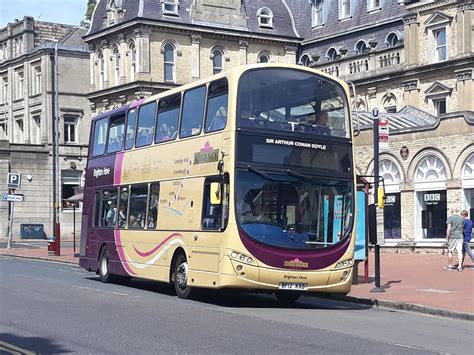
x,y
219,120
322,124
133,222
166,133
110,217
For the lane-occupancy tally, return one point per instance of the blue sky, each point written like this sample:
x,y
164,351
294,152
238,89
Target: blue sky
x,y
69,12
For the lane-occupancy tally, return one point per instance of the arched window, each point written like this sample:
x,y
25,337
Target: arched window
x,y
389,103
169,59
116,59
361,47
431,168
392,40
468,170
390,172
264,58
265,17
217,61
305,60
101,63
133,60
332,54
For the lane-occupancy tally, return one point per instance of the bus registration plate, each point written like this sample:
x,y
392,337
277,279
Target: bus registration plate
x,y
292,286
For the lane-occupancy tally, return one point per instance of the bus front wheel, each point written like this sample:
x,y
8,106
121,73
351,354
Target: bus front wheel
x,y
104,273
287,297
180,277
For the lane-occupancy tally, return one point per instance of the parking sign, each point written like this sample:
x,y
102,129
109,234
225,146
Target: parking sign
x,y
13,181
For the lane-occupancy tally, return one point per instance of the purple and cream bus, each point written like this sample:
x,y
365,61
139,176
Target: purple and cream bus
x,y
242,180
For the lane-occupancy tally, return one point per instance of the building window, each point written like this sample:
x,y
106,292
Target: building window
x,y
392,40
373,5
344,9
116,59
36,130
305,60
169,59
361,47
3,51
170,7
439,36
3,131
70,128
217,61
4,88
18,45
332,54
71,181
19,87
19,131
264,58
440,106
133,61
265,18
36,78
100,58
316,13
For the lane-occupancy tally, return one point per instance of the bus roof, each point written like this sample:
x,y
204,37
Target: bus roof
x,y
112,112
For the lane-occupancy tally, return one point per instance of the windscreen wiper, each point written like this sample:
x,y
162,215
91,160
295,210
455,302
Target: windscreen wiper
x,y
260,173
298,175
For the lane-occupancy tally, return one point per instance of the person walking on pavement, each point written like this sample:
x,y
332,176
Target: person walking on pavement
x,y
454,239
466,247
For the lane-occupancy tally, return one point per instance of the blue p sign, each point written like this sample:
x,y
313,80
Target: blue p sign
x,y
13,181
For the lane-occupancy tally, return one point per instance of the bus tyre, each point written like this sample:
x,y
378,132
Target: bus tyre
x,y
180,277
104,272
287,297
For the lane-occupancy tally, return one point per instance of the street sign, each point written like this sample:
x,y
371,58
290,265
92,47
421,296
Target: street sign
x,y
13,181
13,198
383,134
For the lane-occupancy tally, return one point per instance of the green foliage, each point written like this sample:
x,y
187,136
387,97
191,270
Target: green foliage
x,y
90,9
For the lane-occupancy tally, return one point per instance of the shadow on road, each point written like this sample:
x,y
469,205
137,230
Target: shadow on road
x,y
13,344
232,298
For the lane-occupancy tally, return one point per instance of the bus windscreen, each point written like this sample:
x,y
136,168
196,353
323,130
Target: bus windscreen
x,y
292,101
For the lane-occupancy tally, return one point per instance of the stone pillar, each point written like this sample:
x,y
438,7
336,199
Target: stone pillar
x,y
243,45
26,94
411,39
411,93
92,67
123,62
143,49
45,78
464,20
106,54
195,57
465,90
290,54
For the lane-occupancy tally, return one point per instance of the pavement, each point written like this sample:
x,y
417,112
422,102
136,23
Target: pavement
x,y
410,281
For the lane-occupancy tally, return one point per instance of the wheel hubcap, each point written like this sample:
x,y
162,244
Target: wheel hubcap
x,y
182,275
104,265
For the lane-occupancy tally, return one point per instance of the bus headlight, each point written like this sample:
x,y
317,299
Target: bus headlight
x,y
344,264
242,258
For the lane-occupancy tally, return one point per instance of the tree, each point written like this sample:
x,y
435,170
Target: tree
x,y
88,15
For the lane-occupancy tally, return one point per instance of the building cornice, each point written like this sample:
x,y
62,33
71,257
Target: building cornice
x,y
115,92
188,29
420,6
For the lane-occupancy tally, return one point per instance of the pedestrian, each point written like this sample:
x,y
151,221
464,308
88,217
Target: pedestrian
x,y
454,239
466,247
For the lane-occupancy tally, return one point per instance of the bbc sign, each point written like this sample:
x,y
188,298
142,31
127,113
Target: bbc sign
x,y
13,181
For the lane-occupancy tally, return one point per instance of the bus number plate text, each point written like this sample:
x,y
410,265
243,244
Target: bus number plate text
x,y
292,286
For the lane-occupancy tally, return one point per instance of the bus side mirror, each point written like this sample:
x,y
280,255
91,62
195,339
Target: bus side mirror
x,y
215,192
380,197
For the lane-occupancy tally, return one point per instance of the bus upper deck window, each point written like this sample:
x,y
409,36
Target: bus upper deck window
x,y
131,126
168,117
116,132
146,125
193,110
216,115
100,134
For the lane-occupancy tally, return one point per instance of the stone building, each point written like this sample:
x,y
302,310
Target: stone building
x,y
27,52
139,48
411,59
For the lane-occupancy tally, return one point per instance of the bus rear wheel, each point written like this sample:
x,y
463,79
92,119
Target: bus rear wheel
x,y
287,297
104,273
180,277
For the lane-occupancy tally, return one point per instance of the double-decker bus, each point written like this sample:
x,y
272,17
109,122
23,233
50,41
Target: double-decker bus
x,y
241,180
